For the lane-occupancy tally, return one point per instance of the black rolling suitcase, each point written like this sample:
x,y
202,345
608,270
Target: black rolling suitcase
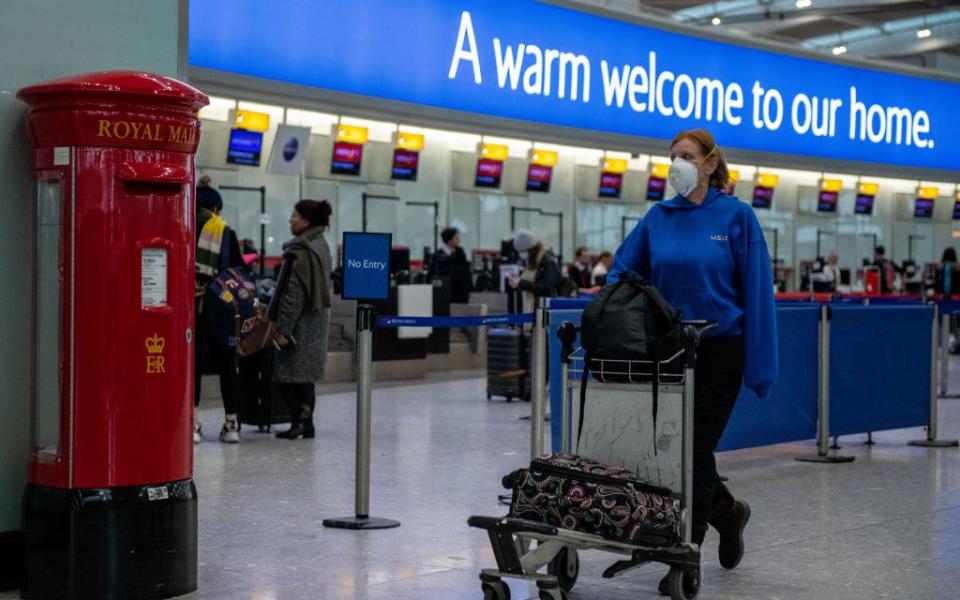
x,y
257,405
508,358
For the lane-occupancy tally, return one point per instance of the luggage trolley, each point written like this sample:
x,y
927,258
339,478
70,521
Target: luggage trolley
x,y
617,429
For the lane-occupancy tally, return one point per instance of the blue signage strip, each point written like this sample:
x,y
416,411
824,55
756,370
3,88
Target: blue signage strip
x,y
479,321
546,64
366,266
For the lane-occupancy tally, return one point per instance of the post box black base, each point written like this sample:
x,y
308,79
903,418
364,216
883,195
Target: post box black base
x,y
11,560
114,543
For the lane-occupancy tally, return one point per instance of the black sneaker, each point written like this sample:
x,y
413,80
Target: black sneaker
x,y
730,524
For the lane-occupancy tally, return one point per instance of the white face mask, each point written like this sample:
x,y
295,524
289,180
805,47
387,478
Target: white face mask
x,y
683,176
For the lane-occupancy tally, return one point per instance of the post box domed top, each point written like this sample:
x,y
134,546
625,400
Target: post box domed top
x,y
137,86
126,109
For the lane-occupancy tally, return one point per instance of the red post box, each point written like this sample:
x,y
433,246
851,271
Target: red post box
x,y
110,506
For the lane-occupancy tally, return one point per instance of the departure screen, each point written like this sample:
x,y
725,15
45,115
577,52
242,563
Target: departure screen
x,y
405,164
538,178
346,158
244,148
864,205
827,201
923,209
656,188
488,173
762,197
610,184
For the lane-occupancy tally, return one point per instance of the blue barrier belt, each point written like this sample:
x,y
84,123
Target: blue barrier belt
x,y
478,321
949,307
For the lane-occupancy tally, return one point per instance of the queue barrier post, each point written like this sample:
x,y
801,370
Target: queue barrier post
x,y
362,518
538,365
944,354
931,440
945,319
823,454
567,333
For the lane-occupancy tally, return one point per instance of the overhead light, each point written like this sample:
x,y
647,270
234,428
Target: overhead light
x,y
838,50
831,185
804,3
868,188
768,180
924,33
716,20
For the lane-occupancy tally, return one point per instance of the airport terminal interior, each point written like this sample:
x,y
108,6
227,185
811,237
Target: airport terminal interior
x,y
310,300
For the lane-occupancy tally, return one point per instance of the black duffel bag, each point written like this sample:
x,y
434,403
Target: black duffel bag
x,y
629,333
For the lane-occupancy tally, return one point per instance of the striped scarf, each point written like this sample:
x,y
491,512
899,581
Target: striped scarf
x,y
208,245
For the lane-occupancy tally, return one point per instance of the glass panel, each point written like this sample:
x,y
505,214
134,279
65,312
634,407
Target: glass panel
x,y
602,226
415,229
48,326
465,216
382,217
494,220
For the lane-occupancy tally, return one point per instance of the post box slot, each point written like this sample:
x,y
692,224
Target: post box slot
x,y
153,173
152,188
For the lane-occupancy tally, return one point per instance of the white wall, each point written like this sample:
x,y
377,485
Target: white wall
x,y
40,41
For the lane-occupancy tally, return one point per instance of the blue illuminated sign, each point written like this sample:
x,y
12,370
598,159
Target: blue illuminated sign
x,y
366,266
546,64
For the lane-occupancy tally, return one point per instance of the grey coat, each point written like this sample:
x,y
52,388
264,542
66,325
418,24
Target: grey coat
x,y
305,361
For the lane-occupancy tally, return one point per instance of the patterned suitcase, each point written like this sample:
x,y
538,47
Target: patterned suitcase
x,y
572,492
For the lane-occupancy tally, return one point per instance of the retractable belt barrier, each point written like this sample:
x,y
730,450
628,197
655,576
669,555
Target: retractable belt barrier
x,y
799,405
366,321
465,321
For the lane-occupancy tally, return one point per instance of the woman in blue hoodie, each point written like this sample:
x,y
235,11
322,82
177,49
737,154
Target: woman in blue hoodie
x,y
706,254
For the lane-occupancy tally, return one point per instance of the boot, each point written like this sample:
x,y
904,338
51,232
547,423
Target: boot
x,y
296,427
295,431
730,521
306,421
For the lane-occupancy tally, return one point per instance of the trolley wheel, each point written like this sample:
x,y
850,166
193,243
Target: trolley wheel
x,y
496,591
683,585
566,566
552,594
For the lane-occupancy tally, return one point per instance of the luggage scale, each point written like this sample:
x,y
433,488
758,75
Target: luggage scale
x,y
617,429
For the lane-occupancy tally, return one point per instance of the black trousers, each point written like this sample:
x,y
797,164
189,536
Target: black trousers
x,y
300,398
717,379
223,361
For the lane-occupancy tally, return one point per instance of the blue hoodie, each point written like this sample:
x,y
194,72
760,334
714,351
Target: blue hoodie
x,y
710,261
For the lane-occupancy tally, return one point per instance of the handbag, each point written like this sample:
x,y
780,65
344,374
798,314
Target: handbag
x,y
260,333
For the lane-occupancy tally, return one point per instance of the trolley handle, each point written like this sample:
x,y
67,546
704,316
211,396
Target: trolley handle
x,y
567,332
690,335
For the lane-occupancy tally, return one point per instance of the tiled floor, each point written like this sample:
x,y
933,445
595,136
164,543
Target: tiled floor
x,y
885,526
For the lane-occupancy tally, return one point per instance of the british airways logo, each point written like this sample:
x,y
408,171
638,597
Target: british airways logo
x,y
719,237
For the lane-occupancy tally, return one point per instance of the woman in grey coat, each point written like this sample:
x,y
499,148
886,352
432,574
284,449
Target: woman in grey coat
x,y
301,310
